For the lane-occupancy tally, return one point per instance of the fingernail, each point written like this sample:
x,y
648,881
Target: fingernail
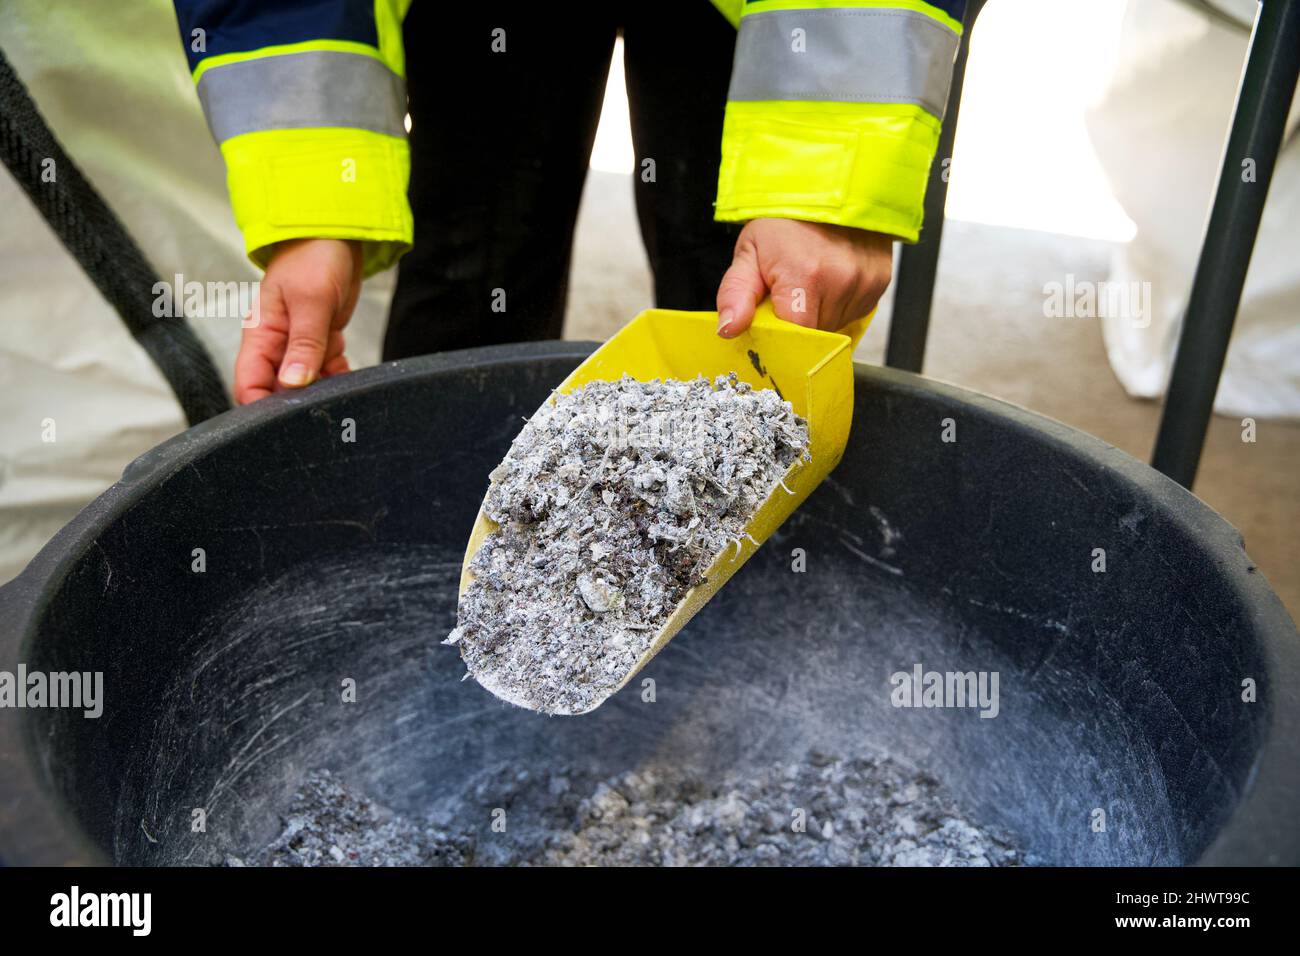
x,y
295,375
724,321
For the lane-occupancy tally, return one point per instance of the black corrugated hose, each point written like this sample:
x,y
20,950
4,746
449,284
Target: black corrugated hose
x,y
105,250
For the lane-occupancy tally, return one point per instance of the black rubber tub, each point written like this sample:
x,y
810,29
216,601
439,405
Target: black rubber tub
x,y
1120,691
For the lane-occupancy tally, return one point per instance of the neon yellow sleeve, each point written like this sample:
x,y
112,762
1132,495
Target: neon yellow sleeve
x,y
834,112
312,128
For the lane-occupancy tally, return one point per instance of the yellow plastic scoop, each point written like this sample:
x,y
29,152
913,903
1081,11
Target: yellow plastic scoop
x,y
812,370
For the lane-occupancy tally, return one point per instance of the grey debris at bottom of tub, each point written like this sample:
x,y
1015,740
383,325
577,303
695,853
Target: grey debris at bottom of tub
x,y
328,824
822,811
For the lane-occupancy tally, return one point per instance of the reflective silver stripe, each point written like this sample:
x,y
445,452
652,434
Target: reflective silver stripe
x,y
303,90
851,54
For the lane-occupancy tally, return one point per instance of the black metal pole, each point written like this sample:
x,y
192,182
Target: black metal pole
x,y
917,264
1259,120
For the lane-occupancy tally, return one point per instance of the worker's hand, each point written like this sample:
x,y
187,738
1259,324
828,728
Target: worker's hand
x,y
819,275
306,298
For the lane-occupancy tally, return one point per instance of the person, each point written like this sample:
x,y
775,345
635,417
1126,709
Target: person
x,y
783,146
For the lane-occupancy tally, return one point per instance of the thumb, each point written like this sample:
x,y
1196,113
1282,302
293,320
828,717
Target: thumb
x,y
310,319
739,293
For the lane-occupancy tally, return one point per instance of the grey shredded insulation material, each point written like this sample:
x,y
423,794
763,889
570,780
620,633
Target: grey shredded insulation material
x,y
329,825
612,502
822,811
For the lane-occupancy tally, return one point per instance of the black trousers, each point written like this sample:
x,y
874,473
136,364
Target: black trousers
x,y
499,149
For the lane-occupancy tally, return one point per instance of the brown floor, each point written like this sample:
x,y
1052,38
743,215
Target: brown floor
x,y
989,334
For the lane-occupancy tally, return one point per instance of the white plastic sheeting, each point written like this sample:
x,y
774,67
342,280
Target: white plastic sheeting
x,y
1160,133
78,398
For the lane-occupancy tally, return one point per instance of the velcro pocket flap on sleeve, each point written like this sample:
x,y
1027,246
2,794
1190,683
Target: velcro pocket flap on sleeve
x,y
778,163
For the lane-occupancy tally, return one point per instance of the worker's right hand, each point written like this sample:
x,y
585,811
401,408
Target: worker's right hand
x,y
306,298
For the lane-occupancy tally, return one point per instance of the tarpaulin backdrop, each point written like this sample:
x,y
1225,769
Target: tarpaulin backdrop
x,y
112,83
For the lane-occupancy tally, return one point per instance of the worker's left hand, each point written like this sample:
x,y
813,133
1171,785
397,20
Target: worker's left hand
x,y
818,275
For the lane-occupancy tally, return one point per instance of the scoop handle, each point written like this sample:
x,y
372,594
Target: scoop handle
x,y
764,314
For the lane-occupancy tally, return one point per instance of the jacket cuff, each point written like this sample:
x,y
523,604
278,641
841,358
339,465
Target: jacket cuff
x,y
330,183
863,165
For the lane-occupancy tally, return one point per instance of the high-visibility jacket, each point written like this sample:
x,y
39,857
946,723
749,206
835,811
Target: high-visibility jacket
x,y
832,116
